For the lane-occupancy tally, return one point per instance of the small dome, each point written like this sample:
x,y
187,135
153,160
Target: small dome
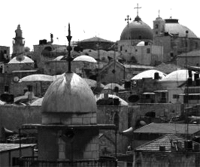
x,y
141,43
20,59
69,94
137,30
148,74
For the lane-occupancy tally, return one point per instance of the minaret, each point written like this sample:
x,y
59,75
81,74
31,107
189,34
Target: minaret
x,y
18,43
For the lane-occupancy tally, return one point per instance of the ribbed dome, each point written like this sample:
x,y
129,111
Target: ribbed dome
x,y
172,26
69,94
137,30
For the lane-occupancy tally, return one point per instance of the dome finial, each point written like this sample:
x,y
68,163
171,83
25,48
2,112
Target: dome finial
x,y
137,9
69,48
128,19
158,13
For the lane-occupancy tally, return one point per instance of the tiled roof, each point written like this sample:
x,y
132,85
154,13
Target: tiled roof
x,y
168,128
167,141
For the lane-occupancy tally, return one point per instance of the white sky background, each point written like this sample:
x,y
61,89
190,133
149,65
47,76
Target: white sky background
x,y
88,18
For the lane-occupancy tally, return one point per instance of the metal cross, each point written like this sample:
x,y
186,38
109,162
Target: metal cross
x,y
128,19
137,9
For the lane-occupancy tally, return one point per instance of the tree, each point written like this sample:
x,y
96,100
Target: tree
x,y
27,49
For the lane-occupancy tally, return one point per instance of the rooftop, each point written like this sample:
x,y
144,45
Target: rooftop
x,y
168,128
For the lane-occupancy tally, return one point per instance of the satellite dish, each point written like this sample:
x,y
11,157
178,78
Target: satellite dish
x,y
133,98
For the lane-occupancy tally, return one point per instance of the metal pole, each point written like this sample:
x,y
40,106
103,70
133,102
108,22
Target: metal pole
x,y
20,151
116,146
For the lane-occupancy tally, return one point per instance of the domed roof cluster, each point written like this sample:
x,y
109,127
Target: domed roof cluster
x,y
137,30
69,94
172,26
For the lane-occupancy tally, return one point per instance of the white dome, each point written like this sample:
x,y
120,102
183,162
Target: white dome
x,y
178,75
20,59
141,43
69,94
148,74
113,85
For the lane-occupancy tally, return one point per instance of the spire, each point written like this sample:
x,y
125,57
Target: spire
x,y
69,48
158,13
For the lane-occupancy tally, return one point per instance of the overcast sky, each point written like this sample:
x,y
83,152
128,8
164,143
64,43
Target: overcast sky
x,y
88,18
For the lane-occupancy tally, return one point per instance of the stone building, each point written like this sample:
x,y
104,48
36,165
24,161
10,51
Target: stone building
x,y
168,150
136,44
4,54
191,58
170,34
139,43
116,72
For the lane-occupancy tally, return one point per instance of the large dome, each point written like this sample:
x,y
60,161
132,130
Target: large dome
x,y
172,26
69,94
137,30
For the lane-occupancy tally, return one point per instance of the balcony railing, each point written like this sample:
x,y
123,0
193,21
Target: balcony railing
x,y
34,162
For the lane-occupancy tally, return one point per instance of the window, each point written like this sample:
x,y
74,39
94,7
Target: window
x,y
163,94
148,50
175,96
120,48
147,96
156,26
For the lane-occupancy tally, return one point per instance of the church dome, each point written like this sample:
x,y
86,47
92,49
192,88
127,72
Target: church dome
x,y
69,94
137,30
172,26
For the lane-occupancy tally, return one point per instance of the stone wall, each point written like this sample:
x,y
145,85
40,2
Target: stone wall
x,y
12,117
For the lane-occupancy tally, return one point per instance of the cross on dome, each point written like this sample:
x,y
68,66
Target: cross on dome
x,y
137,8
128,19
